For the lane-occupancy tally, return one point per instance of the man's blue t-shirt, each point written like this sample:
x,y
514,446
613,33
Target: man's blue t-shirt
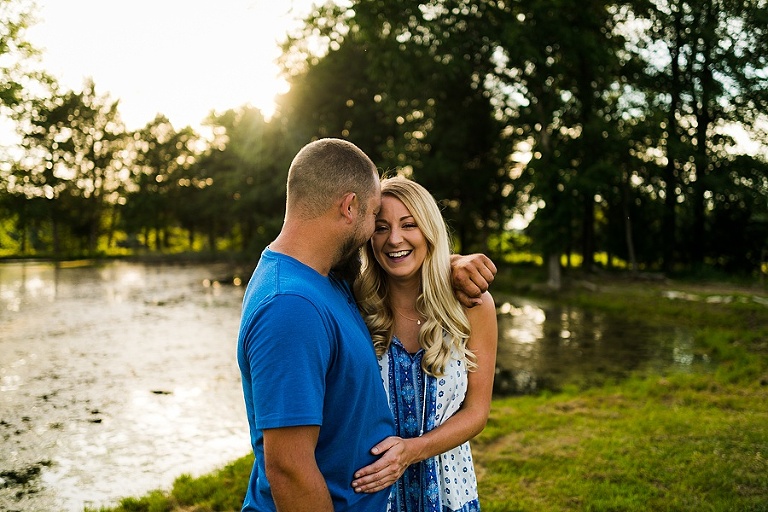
x,y
306,358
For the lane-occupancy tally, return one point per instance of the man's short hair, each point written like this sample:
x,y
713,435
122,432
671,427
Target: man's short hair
x,y
323,171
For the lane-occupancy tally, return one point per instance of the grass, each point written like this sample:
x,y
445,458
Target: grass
x,y
675,442
663,444
218,491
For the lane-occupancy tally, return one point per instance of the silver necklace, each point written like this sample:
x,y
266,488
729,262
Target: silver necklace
x,y
417,320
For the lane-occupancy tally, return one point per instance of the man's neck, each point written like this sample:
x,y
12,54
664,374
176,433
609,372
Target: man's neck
x,y
309,243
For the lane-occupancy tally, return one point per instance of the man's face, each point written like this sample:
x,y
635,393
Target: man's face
x,y
367,221
348,266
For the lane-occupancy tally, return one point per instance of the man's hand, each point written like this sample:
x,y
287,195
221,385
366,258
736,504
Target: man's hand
x,y
471,276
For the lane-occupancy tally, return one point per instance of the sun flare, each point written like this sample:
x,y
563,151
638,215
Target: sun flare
x,y
177,58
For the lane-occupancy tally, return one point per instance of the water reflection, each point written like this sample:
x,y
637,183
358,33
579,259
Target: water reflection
x,y
545,346
114,380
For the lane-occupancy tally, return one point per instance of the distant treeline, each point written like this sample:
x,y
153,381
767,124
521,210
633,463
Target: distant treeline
x,y
617,127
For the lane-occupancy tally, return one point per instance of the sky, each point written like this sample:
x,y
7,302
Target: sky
x,y
180,58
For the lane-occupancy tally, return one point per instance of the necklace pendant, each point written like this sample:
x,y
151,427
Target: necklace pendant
x,y
418,322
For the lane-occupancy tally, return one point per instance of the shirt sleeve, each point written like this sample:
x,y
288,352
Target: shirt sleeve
x,y
288,351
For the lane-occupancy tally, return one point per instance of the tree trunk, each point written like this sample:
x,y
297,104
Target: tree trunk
x,y
111,227
669,219
93,232
23,230
55,235
211,240
701,158
628,226
555,272
588,234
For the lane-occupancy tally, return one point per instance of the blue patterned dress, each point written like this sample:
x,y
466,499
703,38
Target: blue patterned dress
x,y
420,402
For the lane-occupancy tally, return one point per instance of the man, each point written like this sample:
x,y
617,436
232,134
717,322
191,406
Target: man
x,y
313,394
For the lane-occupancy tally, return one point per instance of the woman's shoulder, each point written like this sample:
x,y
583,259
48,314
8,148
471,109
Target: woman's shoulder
x,y
488,306
483,325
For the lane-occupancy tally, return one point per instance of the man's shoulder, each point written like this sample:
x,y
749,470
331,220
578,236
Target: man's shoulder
x,y
283,275
285,280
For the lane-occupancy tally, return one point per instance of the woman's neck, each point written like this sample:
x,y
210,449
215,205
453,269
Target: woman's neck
x,y
403,296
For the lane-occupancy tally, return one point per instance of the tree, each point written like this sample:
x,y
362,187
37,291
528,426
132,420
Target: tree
x,y
707,65
435,121
237,188
161,157
16,77
15,52
565,73
333,91
74,145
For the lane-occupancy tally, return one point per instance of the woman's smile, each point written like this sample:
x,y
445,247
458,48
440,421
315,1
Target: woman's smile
x,y
397,242
399,255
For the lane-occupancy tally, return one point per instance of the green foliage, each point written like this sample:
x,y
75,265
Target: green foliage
x,y
434,122
511,247
223,490
245,169
160,164
568,58
16,76
611,121
71,175
704,82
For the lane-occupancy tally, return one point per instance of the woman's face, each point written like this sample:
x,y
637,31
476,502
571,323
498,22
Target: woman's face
x,y
398,244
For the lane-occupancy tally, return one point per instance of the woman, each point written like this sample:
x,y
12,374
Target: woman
x,y
437,359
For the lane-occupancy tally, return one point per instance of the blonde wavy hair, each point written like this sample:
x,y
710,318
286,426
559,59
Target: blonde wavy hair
x,y
446,329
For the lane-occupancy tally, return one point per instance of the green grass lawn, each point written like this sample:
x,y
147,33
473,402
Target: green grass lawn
x,y
674,442
661,444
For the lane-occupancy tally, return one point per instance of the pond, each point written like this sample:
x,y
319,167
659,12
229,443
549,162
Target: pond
x,y
114,380
546,346
117,378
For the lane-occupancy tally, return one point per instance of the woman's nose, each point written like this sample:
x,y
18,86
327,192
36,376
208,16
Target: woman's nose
x,y
395,237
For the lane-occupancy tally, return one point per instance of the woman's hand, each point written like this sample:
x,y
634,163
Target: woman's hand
x,y
384,472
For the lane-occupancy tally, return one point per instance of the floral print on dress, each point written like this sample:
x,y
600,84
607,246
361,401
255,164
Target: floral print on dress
x,y
419,403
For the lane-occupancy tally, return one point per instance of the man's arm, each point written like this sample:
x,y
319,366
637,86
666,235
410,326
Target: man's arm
x,y
296,482
471,276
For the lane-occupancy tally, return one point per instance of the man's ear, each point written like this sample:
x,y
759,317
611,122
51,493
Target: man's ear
x,y
348,206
